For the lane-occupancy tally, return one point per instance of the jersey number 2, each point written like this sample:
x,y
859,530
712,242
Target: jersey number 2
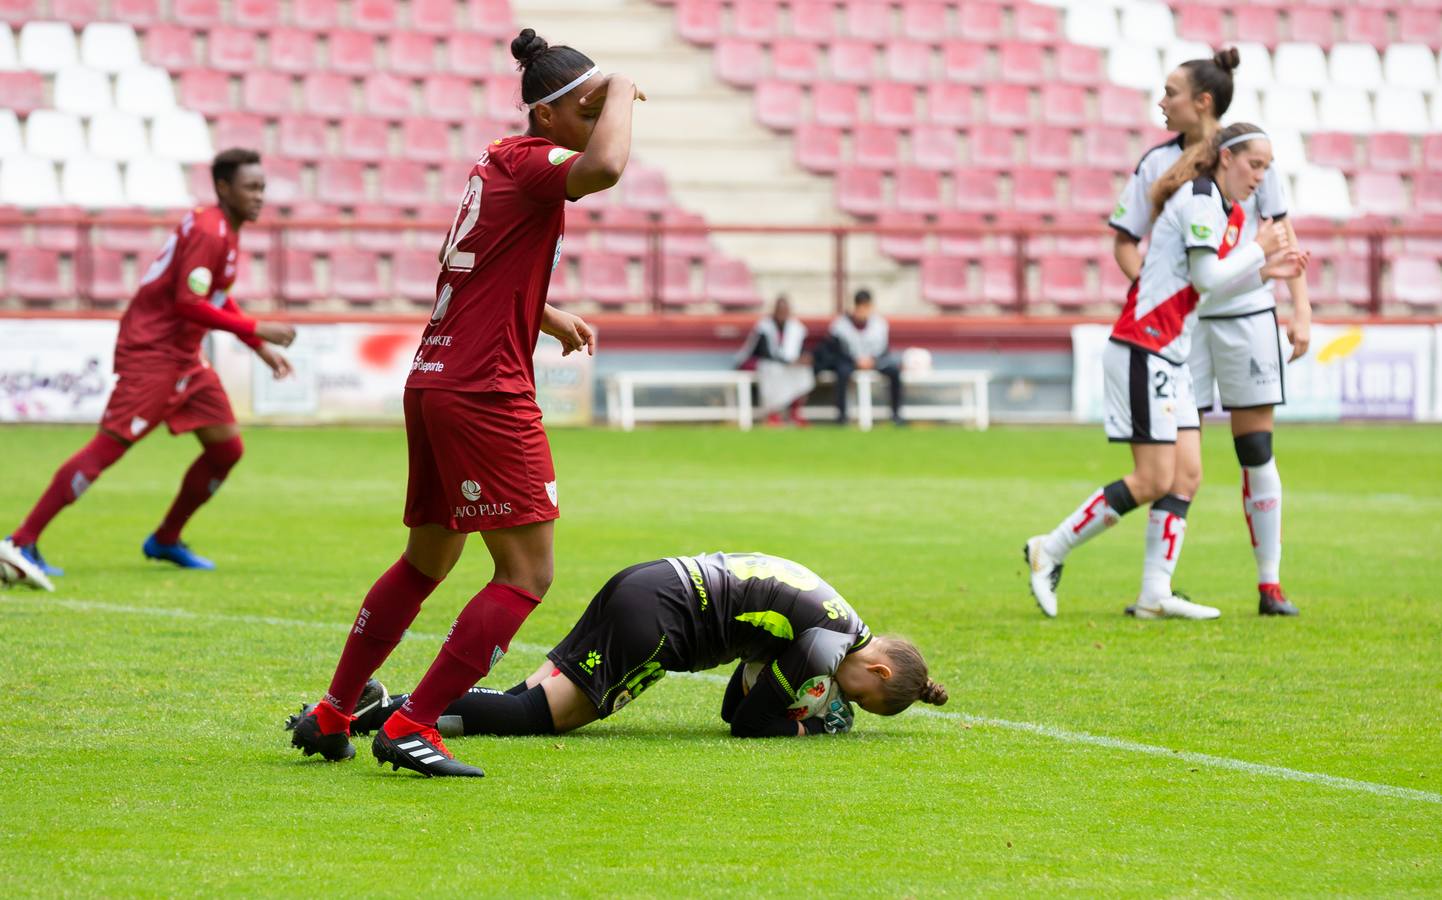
x,y
467,216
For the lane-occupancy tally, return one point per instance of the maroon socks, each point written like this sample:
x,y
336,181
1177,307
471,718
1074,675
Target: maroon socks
x,y
201,480
385,614
481,636
70,481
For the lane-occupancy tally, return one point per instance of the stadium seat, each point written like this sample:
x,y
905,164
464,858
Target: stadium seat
x,y
1420,23
403,183
155,184
976,190
1427,192
934,147
292,51
1290,107
981,21
1410,66
426,140
1246,107
1108,148
950,104
54,135
918,190
1417,281
945,281
1122,106
876,147
75,13
1345,109
298,282
181,135
893,104
1147,25
447,97
623,231
1367,25
11,141
1020,63
378,16
434,17
503,102
605,280
414,271
232,50
109,46
729,285
860,192
1034,191
645,188
140,13
316,238
793,60
998,281
907,248
965,63
209,92
410,53
340,181
145,91
1432,153
952,238
1092,25
867,18
47,47
170,47
259,14
699,21
352,52
818,148
685,234
91,183
992,147
1288,151
1006,104
477,133
1114,284
196,13
1033,22
1049,147
851,60
469,55
1323,193
117,136
1402,109
1300,65
355,276
81,91
128,238
1355,65
779,104
316,15
923,22
1079,65
1380,194
9,55
1064,282
757,20
324,93
1202,23
677,288
106,284
490,17
1307,25
1092,191
302,137
1389,151
35,275
282,181
908,62
1336,150
1255,70
1135,66
1064,105
740,63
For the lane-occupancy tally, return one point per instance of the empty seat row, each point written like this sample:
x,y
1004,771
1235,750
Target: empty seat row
x,y
90,183
178,135
1322,25
707,21
381,16
822,148
447,97
297,51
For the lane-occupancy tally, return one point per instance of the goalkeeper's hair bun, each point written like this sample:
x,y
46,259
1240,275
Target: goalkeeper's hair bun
x,y
933,693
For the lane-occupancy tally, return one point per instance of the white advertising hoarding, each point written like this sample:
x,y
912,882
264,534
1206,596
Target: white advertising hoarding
x,y
56,370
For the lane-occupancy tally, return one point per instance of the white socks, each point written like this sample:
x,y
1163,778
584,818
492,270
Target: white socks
x,y
1166,528
1262,503
1103,509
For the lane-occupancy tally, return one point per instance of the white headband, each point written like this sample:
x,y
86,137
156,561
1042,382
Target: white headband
x,y
565,90
1243,138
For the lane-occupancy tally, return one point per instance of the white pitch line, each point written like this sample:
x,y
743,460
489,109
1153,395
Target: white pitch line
x,y
1048,731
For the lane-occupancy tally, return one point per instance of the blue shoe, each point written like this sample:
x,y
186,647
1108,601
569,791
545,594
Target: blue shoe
x,y
178,553
32,553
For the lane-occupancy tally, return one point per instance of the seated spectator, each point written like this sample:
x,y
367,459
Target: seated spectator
x,y
783,371
860,341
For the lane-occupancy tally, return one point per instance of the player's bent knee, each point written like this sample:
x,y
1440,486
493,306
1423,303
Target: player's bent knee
x,y
227,453
1253,448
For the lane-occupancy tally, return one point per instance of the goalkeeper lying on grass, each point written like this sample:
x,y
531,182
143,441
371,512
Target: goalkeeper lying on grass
x,y
805,656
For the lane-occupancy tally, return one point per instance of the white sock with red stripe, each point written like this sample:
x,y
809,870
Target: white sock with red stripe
x,y
1103,509
1166,529
1262,503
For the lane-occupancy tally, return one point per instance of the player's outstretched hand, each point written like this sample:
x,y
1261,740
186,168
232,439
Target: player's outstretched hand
x,y
279,365
570,329
275,333
617,82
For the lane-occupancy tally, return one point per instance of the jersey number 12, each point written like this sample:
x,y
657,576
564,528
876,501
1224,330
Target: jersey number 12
x,y
467,216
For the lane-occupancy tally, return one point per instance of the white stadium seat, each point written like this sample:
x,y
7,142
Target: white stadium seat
x,y
9,56
50,134
1401,109
1181,51
1245,107
1437,110
1255,67
1148,24
1134,66
181,135
109,46
1411,66
82,91
1289,154
1355,65
145,91
1346,109
119,136
1289,107
156,184
28,181
91,183
10,140
47,46
1095,27
1322,192
1300,65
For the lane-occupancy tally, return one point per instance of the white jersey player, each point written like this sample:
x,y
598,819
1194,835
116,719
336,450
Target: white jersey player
x,y
1197,256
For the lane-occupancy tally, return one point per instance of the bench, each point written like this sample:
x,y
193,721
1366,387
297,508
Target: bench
x,y
970,402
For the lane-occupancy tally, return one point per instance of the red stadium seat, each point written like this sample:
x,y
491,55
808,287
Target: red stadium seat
x,y
1417,281
1308,25
141,13
491,17
426,140
813,20
992,147
963,62
51,233
867,18
327,94
1427,191
24,92
261,14
1034,22
945,281
852,60
209,92
1049,147
1432,152
1006,104
818,148
355,276
605,280
282,180
976,190
411,53
835,104
364,139
950,104
779,104
676,286
934,147
107,283
1201,23
144,240
623,231
998,280
793,60
318,15
415,271
1260,24
170,47
318,238
902,247
1114,283
860,192
1380,194
645,188
435,17
298,282
1034,191
1353,279
352,52
469,55
1092,191
907,61
981,22
741,63
1023,63
960,243
447,97
563,288
1420,24
1076,64
1334,149
918,190
503,102
1390,152
377,16
387,95
1122,106
380,238
699,21
477,133
1366,25
292,50
196,13
729,284
268,93
340,181
303,137
1063,281
758,20
686,233
1108,148
35,276
923,21
232,50
893,104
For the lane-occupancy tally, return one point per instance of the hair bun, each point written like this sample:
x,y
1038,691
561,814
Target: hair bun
x,y
933,693
528,45
1227,58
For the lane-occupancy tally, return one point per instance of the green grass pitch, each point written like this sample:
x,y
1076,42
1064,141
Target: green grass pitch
x,y
142,754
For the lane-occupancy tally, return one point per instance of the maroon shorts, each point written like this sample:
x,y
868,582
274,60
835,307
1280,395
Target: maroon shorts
x,y
190,399
478,462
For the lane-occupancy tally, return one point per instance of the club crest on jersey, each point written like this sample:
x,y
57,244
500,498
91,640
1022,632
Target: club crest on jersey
x,y
551,492
558,155
1231,237
137,425
1201,232
470,490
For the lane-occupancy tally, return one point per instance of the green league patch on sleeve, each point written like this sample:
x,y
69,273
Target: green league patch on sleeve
x,y
1201,232
559,155
1120,211
199,281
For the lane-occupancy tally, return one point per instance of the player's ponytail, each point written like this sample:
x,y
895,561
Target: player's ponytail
x,y
1214,76
1199,159
909,681
545,69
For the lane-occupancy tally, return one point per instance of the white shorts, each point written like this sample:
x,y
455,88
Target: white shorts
x,y
1239,359
1148,400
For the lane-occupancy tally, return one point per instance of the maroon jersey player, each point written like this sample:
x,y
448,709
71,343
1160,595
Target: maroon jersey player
x,y
163,378
479,459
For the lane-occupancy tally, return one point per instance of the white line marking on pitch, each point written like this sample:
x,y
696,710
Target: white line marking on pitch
x,y
1047,731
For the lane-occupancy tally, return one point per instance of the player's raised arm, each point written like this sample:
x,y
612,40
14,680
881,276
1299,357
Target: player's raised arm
x,y
609,148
